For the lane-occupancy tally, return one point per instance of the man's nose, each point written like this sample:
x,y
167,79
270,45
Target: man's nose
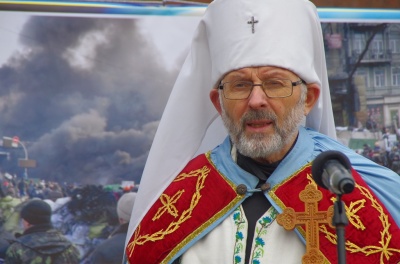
x,y
257,98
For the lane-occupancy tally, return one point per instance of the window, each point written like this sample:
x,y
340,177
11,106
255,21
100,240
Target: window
x,y
377,48
379,77
363,73
396,76
394,45
358,43
394,39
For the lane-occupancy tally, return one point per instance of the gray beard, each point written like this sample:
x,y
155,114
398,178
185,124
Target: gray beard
x,y
261,145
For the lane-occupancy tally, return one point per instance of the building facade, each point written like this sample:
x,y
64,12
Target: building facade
x,y
364,73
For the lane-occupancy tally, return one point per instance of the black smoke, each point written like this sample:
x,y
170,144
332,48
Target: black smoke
x,y
85,96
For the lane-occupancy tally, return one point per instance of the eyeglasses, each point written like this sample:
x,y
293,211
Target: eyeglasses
x,y
273,88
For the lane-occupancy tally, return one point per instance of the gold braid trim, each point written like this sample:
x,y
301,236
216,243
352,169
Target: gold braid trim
x,y
186,214
383,244
210,221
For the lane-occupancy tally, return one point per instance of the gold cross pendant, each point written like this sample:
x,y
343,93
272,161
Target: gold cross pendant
x,y
311,218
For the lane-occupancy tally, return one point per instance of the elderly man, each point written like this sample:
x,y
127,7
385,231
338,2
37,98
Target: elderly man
x,y
264,63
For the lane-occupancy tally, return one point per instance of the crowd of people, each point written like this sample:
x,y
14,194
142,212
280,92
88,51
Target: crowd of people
x,y
48,222
385,151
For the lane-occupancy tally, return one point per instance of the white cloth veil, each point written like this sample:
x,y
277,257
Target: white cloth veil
x,y
287,34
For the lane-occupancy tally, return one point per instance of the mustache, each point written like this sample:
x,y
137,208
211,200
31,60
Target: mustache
x,y
253,115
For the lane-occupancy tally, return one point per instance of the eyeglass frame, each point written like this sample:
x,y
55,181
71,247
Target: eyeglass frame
x,y
296,83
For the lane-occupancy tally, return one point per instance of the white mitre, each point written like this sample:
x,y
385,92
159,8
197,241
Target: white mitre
x,y
287,34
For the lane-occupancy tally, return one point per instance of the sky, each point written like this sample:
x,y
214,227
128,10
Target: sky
x,y
85,94
10,25
178,34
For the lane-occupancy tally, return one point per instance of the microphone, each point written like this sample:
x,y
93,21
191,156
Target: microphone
x,y
332,170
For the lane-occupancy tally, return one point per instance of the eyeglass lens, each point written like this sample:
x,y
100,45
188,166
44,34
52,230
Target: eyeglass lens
x,y
273,88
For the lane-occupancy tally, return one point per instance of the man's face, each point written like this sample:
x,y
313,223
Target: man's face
x,y
263,128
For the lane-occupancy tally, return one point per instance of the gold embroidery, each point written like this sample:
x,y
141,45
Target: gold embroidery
x,y
311,218
311,180
352,211
201,175
169,206
210,221
195,173
272,191
382,246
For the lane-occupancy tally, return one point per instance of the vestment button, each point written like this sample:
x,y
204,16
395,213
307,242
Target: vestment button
x,y
265,186
241,189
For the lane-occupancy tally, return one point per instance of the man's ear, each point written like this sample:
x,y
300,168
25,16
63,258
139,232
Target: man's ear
x,y
313,92
214,96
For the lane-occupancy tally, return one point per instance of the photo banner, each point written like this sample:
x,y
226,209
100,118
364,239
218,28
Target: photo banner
x,y
84,84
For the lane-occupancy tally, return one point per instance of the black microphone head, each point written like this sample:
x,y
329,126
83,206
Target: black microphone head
x,y
318,164
347,186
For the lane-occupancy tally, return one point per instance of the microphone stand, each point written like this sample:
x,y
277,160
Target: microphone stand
x,y
340,220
